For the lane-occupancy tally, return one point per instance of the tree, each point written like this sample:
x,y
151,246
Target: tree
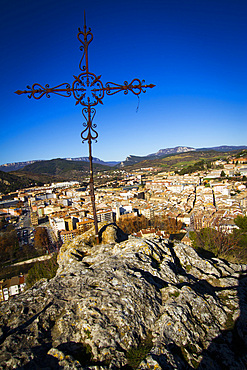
x,y
241,222
46,269
41,239
130,225
241,235
222,174
9,245
215,241
169,224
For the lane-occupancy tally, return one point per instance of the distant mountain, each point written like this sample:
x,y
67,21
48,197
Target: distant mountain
x,y
181,161
8,167
224,148
60,167
95,160
132,159
177,149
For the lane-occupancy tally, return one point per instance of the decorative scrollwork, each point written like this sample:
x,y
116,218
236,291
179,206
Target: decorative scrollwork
x,y
87,89
89,133
135,86
37,91
85,42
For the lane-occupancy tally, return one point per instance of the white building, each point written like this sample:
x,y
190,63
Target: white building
x,y
57,224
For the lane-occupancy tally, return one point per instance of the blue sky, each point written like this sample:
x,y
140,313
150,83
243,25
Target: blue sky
x,y
194,51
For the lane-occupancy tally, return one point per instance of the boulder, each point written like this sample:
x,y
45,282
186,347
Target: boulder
x,y
136,303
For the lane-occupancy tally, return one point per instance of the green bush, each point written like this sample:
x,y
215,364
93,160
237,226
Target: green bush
x,y
232,246
43,269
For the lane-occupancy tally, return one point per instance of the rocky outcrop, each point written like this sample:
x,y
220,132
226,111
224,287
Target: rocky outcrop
x,y
144,300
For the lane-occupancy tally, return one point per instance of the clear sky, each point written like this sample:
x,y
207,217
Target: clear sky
x,y
194,51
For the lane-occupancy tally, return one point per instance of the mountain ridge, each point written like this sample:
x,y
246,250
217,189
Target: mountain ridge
x,y
132,159
15,166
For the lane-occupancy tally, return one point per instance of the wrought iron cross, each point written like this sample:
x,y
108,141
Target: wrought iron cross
x,y
88,90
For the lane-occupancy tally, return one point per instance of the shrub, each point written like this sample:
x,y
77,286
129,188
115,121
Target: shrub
x,y
43,269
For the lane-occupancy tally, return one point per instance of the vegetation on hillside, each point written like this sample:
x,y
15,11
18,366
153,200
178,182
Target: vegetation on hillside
x,y
9,243
10,183
45,172
44,269
12,251
176,162
41,240
243,153
60,167
229,245
196,167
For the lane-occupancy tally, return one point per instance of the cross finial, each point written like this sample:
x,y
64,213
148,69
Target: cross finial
x,y
85,27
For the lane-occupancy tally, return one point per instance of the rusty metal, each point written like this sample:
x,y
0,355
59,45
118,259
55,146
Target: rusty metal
x,y
88,90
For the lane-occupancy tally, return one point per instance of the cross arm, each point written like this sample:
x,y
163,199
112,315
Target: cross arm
x,y
136,86
37,91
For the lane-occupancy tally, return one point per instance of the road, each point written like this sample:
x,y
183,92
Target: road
x,y
24,227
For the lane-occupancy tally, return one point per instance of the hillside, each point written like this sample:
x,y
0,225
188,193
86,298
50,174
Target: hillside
x,y
43,172
16,166
10,182
59,169
133,159
174,162
130,304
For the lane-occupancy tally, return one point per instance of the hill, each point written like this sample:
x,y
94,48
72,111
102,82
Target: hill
x,y
16,166
58,170
225,148
56,167
10,182
174,162
43,172
95,160
132,159
138,303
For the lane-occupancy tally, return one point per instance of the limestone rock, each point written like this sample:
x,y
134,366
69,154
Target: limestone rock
x,y
107,299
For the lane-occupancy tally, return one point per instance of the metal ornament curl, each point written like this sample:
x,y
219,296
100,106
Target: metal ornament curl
x,y
89,126
85,44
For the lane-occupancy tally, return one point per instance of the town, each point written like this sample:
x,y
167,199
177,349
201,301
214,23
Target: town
x,y
57,213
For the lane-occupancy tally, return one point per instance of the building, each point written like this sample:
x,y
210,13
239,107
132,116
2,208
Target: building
x,y
242,160
105,215
11,287
85,224
146,233
147,212
34,218
57,224
68,235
